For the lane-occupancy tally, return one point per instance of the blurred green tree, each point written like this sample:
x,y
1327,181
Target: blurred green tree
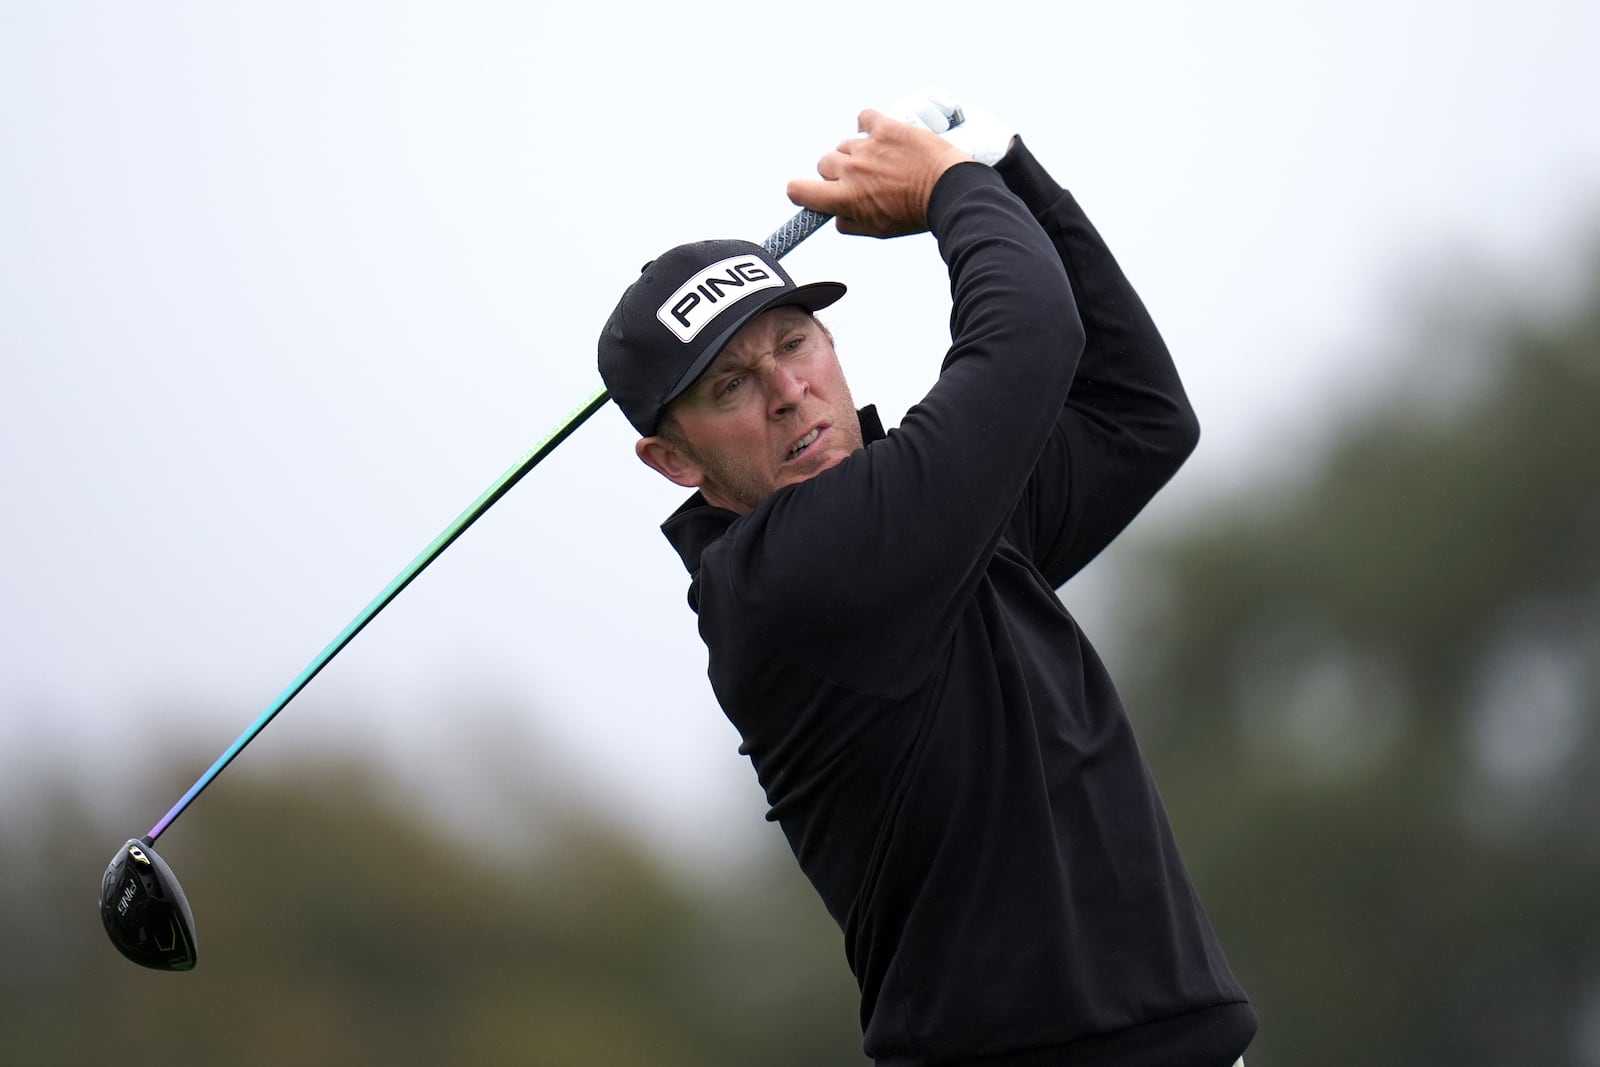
x,y
1371,698
337,928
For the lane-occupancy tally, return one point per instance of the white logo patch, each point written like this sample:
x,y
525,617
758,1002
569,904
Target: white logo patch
x,y
711,292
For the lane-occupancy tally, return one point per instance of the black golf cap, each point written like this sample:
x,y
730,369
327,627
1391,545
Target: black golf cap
x,y
685,306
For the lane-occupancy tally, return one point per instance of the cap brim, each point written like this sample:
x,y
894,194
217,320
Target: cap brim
x,y
813,296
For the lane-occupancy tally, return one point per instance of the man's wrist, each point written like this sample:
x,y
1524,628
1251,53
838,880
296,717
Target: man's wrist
x,y
955,183
1025,177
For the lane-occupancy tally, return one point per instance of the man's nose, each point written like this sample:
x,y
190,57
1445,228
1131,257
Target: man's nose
x,y
785,387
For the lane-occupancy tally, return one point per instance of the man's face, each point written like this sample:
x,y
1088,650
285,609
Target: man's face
x,y
771,410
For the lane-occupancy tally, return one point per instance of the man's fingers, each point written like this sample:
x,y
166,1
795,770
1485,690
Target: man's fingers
x,y
870,120
808,192
824,196
878,183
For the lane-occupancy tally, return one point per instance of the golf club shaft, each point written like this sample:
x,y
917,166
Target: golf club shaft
x,y
782,241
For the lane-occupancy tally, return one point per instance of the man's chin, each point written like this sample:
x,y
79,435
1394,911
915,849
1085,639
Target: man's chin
x,y
807,466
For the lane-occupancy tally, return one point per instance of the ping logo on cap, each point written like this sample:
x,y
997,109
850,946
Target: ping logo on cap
x,y
712,291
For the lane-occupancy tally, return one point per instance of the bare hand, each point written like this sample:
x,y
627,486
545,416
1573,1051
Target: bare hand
x,y
879,185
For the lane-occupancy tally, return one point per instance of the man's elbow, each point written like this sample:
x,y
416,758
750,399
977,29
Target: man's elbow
x,y
1187,432
1180,436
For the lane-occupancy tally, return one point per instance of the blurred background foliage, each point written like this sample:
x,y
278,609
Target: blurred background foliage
x,y
1369,691
338,925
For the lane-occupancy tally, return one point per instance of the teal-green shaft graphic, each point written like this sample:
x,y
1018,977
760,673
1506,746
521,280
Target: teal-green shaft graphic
x,y
781,242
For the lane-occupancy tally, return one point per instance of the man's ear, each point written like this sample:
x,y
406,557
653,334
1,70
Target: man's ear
x,y
661,456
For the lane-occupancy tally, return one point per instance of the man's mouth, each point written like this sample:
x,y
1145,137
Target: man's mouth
x,y
804,443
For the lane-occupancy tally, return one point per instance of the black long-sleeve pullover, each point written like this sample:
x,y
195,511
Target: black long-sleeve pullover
x,y
944,751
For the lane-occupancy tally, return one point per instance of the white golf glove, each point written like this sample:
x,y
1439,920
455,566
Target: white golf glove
x,y
980,134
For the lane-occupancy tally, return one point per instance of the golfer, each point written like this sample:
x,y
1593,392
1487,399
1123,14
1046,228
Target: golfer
x,y
944,751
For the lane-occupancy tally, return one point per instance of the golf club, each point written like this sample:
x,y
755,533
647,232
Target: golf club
x,y
144,909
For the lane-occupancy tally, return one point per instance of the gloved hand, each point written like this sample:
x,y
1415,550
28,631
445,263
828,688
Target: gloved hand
x,y
981,135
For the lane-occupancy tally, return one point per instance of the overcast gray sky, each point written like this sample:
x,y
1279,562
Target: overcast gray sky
x,y
286,286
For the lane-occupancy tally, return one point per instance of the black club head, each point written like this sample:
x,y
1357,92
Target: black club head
x,y
146,914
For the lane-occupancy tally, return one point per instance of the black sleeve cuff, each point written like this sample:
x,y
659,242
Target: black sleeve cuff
x,y
955,183
1024,176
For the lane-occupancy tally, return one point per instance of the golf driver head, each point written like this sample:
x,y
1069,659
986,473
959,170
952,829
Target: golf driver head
x,y
146,914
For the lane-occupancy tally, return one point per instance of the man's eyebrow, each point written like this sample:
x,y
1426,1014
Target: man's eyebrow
x,y
785,325
788,323
728,362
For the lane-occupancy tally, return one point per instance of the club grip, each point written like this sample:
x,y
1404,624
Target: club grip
x,y
791,233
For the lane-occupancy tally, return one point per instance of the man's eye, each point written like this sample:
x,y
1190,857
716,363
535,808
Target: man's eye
x,y
793,343
730,385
